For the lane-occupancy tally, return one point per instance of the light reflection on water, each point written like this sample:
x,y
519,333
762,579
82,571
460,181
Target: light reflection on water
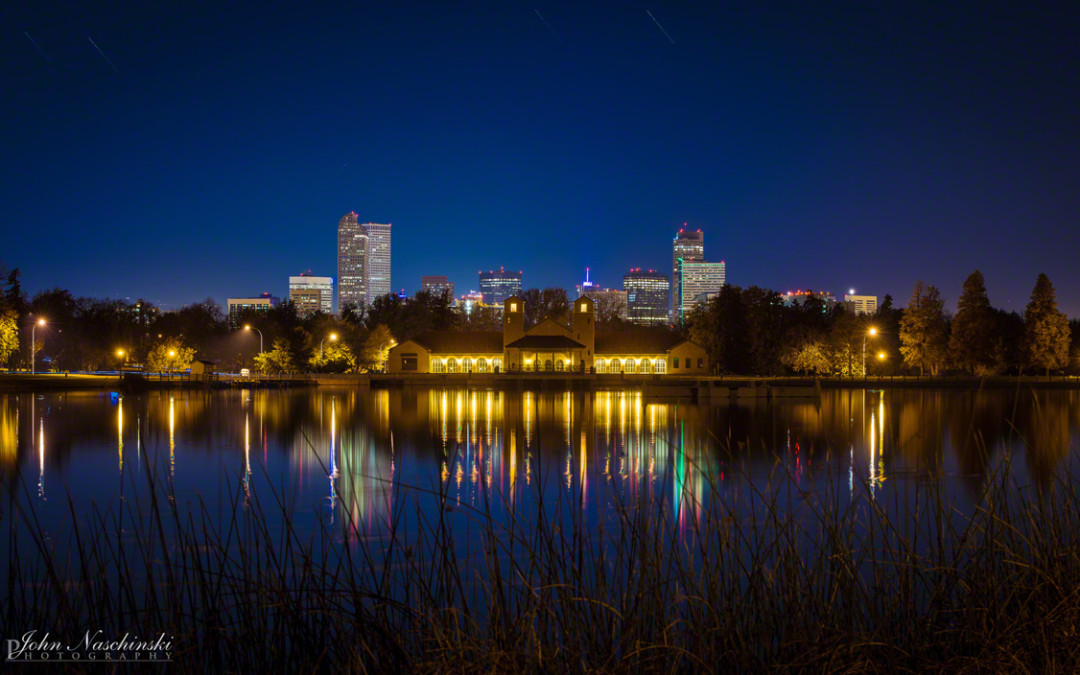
x,y
343,458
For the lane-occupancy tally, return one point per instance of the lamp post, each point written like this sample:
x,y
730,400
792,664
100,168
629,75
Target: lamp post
x,y
33,344
333,336
260,336
120,354
872,332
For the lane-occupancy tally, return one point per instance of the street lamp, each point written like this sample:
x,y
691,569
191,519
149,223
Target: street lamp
x,y
333,336
120,354
872,332
33,343
260,336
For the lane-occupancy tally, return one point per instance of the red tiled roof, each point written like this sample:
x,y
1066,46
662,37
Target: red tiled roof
x,y
546,342
636,342
462,342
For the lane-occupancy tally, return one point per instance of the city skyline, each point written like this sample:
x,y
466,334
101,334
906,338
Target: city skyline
x,y
831,146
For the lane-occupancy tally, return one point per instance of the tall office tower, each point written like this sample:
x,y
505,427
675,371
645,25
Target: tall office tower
x,y
312,294
648,297
698,282
352,262
378,278
436,284
498,286
689,246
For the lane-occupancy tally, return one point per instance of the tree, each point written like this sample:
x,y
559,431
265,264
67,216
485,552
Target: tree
x,y
812,357
170,356
9,333
971,343
376,348
335,357
1046,330
278,360
550,303
923,330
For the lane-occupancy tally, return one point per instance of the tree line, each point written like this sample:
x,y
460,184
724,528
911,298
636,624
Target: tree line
x,y
746,331
752,331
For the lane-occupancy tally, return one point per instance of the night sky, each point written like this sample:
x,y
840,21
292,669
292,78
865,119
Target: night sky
x,y
209,149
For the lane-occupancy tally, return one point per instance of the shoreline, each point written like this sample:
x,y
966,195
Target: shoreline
x,y
705,387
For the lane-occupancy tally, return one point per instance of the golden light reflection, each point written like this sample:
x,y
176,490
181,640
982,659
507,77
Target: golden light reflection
x,y
120,432
41,459
9,433
247,457
172,436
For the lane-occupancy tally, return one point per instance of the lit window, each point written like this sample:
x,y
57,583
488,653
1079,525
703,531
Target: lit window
x,y
513,306
583,308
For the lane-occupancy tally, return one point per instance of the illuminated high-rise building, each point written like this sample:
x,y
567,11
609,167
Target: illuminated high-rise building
x,y
352,265
688,246
698,281
648,297
500,285
311,294
378,259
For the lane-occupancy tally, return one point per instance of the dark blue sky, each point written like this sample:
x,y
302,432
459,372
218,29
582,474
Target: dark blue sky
x,y
211,151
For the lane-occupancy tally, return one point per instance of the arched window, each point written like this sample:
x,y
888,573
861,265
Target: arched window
x,y
616,366
496,364
481,365
630,366
660,366
547,365
560,365
601,365
466,365
451,365
438,366
646,366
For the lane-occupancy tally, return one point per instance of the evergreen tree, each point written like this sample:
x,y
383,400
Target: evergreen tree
x,y
971,343
1046,330
923,331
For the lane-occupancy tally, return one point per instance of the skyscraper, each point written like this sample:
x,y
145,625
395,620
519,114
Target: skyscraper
x,y
688,246
378,259
698,281
648,297
352,265
363,260
498,286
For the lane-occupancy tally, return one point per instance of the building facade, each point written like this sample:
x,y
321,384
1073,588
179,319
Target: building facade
x,y
689,246
311,294
697,280
549,346
353,265
437,284
378,281
497,286
860,304
648,297
239,306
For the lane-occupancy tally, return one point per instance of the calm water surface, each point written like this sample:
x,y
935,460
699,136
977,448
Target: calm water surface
x,y
350,460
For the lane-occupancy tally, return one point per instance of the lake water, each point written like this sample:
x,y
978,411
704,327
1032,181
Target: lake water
x,y
348,459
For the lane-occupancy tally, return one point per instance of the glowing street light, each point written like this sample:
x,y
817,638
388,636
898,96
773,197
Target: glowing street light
x,y
120,353
249,327
333,336
872,332
33,344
